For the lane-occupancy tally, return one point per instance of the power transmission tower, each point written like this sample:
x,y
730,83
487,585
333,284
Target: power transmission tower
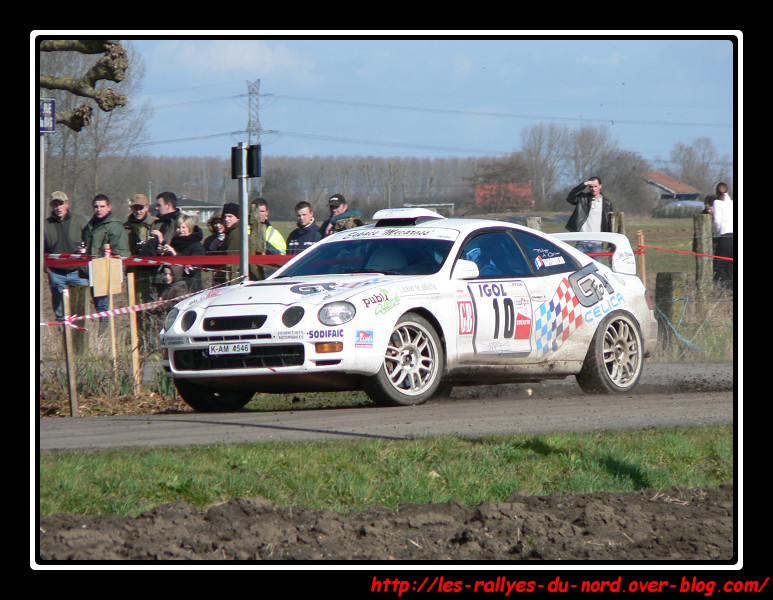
x,y
253,124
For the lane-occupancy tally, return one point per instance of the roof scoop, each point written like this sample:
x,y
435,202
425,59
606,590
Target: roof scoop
x,y
402,217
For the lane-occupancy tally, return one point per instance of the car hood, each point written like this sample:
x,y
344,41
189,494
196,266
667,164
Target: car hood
x,y
287,291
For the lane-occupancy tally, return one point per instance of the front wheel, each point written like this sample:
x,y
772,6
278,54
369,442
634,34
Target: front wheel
x,y
615,357
204,399
412,367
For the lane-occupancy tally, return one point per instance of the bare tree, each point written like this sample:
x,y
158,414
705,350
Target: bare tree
x,y
694,164
111,66
97,158
621,174
543,147
584,151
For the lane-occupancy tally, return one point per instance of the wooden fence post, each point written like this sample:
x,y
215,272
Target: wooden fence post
x,y
703,243
135,349
617,222
669,288
534,223
79,306
642,269
69,362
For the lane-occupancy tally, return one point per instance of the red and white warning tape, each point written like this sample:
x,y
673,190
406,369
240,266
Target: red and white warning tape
x,y
68,321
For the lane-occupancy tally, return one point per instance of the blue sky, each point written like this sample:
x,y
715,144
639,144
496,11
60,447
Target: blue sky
x,y
436,97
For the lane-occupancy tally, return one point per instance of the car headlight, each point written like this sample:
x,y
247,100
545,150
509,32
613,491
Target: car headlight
x,y
336,313
170,317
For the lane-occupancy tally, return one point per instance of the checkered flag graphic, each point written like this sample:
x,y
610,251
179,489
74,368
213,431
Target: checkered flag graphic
x,y
557,319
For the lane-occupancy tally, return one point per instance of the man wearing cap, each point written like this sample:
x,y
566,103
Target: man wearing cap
x,y
341,216
137,225
138,230
62,235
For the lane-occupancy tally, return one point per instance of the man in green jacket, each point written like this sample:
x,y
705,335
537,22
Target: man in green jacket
x,y
102,229
62,235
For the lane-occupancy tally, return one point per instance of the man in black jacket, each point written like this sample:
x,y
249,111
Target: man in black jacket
x,y
305,234
591,212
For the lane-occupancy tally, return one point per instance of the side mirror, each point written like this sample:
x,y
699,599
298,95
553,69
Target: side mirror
x,y
465,269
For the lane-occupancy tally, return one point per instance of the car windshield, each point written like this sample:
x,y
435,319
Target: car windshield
x,y
390,256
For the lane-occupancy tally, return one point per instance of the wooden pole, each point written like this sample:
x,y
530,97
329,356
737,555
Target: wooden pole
x,y
640,238
111,318
67,333
135,349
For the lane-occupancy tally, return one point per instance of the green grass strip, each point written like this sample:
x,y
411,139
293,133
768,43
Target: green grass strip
x,y
350,476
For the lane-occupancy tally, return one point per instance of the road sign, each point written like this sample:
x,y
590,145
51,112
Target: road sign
x,y
47,115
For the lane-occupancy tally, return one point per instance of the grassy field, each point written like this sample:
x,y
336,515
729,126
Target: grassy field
x,y
349,476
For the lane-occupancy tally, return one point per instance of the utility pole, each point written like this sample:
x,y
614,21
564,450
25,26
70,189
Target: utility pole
x,y
253,124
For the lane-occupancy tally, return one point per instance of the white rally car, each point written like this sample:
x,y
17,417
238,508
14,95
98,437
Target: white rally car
x,y
411,305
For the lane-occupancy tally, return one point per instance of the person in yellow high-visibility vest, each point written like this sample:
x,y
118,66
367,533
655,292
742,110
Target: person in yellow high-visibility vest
x,y
264,238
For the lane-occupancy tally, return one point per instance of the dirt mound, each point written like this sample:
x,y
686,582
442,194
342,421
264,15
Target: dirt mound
x,y
678,524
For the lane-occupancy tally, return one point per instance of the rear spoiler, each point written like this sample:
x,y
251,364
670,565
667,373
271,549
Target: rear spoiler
x,y
622,260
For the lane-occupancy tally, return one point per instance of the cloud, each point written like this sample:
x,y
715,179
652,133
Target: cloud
x,y
248,58
612,59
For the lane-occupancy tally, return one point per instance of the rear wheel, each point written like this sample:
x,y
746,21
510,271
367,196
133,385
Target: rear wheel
x,y
615,357
204,399
412,367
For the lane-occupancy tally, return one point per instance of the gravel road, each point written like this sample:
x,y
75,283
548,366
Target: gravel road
x,y
668,395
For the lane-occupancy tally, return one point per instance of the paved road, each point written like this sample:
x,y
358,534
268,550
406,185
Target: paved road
x,y
668,395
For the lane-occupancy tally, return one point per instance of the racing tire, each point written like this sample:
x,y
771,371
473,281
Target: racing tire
x,y
615,357
412,367
203,399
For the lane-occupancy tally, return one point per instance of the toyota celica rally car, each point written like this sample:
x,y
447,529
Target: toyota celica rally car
x,y
411,305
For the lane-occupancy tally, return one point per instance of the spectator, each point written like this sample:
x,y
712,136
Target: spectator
x,y
723,215
163,227
274,242
591,212
169,285
306,231
103,229
185,242
137,227
341,216
264,238
62,235
233,237
213,243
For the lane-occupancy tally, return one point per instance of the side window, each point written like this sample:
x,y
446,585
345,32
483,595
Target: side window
x,y
497,255
545,257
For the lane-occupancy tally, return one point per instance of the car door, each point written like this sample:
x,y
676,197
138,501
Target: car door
x,y
500,306
524,304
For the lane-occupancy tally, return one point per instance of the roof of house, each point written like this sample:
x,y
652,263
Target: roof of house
x,y
669,184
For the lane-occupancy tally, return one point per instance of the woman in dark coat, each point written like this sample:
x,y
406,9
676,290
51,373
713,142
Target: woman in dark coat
x,y
186,242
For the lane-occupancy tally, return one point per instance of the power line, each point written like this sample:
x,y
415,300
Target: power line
x,y
486,113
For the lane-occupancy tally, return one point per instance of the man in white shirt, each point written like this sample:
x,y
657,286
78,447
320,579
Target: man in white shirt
x,y
723,219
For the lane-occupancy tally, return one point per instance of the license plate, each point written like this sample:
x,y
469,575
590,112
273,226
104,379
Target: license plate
x,y
233,348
